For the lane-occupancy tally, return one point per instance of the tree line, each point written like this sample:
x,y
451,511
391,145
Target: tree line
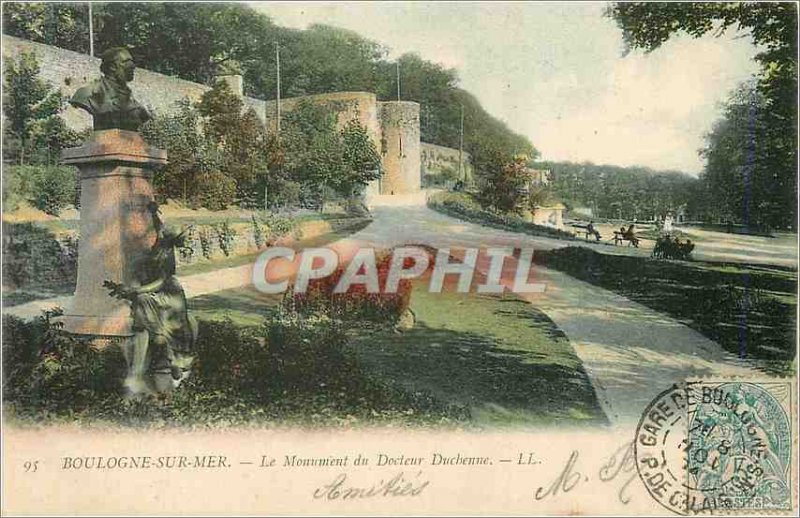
x,y
750,175
219,152
620,192
195,40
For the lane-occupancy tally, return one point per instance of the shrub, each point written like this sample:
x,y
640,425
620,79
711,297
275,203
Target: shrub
x,y
50,371
14,188
225,237
48,188
304,349
214,191
277,226
258,233
230,357
667,247
34,257
463,206
301,374
53,189
204,234
282,192
356,304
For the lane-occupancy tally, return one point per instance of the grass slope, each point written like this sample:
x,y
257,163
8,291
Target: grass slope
x,y
495,354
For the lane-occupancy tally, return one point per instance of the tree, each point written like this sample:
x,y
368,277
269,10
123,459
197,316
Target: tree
x,y
64,25
240,137
193,40
34,132
361,161
770,114
321,158
742,181
619,192
502,181
189,154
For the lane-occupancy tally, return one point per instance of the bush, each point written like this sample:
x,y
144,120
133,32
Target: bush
x,y
34,258
214,191
667,247
277,226
463,206
356,304
14,188
302,374
282,192
304,349
49,371
225,237
48,188
53,189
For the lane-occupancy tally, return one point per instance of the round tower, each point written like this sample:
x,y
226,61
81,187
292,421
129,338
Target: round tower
x,y
400,147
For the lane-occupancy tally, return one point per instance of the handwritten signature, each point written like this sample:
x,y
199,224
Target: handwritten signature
x,y
620,464
398,485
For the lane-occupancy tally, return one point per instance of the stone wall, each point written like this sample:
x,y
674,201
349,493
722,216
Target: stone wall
x,y
436,159
69,70
387,123
35,257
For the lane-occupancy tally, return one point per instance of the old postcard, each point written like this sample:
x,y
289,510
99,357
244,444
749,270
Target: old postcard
x,y
399,258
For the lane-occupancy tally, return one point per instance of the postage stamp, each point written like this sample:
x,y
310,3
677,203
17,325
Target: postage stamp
x,y
739,446
719,446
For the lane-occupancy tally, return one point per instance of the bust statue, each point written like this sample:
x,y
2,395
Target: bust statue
x,y
109,99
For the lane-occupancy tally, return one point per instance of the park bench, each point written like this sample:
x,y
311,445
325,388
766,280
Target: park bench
x,y
620,237
583,229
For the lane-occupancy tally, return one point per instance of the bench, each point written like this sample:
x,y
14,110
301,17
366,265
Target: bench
x,y
619,237
586,233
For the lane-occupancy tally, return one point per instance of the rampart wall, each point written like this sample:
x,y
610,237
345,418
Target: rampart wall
x,y
393,126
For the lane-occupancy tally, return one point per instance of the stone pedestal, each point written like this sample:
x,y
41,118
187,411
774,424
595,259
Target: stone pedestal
x,y
116,227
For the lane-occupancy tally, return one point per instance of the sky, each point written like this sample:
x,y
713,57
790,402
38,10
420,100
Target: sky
x,y
555,72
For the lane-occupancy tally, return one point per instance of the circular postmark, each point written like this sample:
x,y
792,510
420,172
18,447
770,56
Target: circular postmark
x,y
658,447
707,446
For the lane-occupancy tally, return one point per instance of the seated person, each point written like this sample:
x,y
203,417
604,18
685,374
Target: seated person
x,y
591,231
619,235
630,235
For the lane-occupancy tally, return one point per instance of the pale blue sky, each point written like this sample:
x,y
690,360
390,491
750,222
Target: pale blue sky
x,y
555,72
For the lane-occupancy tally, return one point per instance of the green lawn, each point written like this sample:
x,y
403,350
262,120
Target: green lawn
x,y
748,309
244,306
495,354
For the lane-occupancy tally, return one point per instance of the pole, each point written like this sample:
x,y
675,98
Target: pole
x,y
277,113
278,104
91,32
461,149
398,79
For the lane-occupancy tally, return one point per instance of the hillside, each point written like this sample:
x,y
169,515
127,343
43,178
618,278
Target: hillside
x,y
193,40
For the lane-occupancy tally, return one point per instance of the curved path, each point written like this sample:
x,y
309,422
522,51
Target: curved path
x,y
630,352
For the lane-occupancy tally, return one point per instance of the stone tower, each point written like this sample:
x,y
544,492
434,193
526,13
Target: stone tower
x,y
400,147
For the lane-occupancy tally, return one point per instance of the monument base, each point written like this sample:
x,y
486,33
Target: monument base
x,y
98,325
116,228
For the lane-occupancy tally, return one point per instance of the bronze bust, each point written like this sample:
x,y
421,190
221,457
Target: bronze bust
x,y
109,99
